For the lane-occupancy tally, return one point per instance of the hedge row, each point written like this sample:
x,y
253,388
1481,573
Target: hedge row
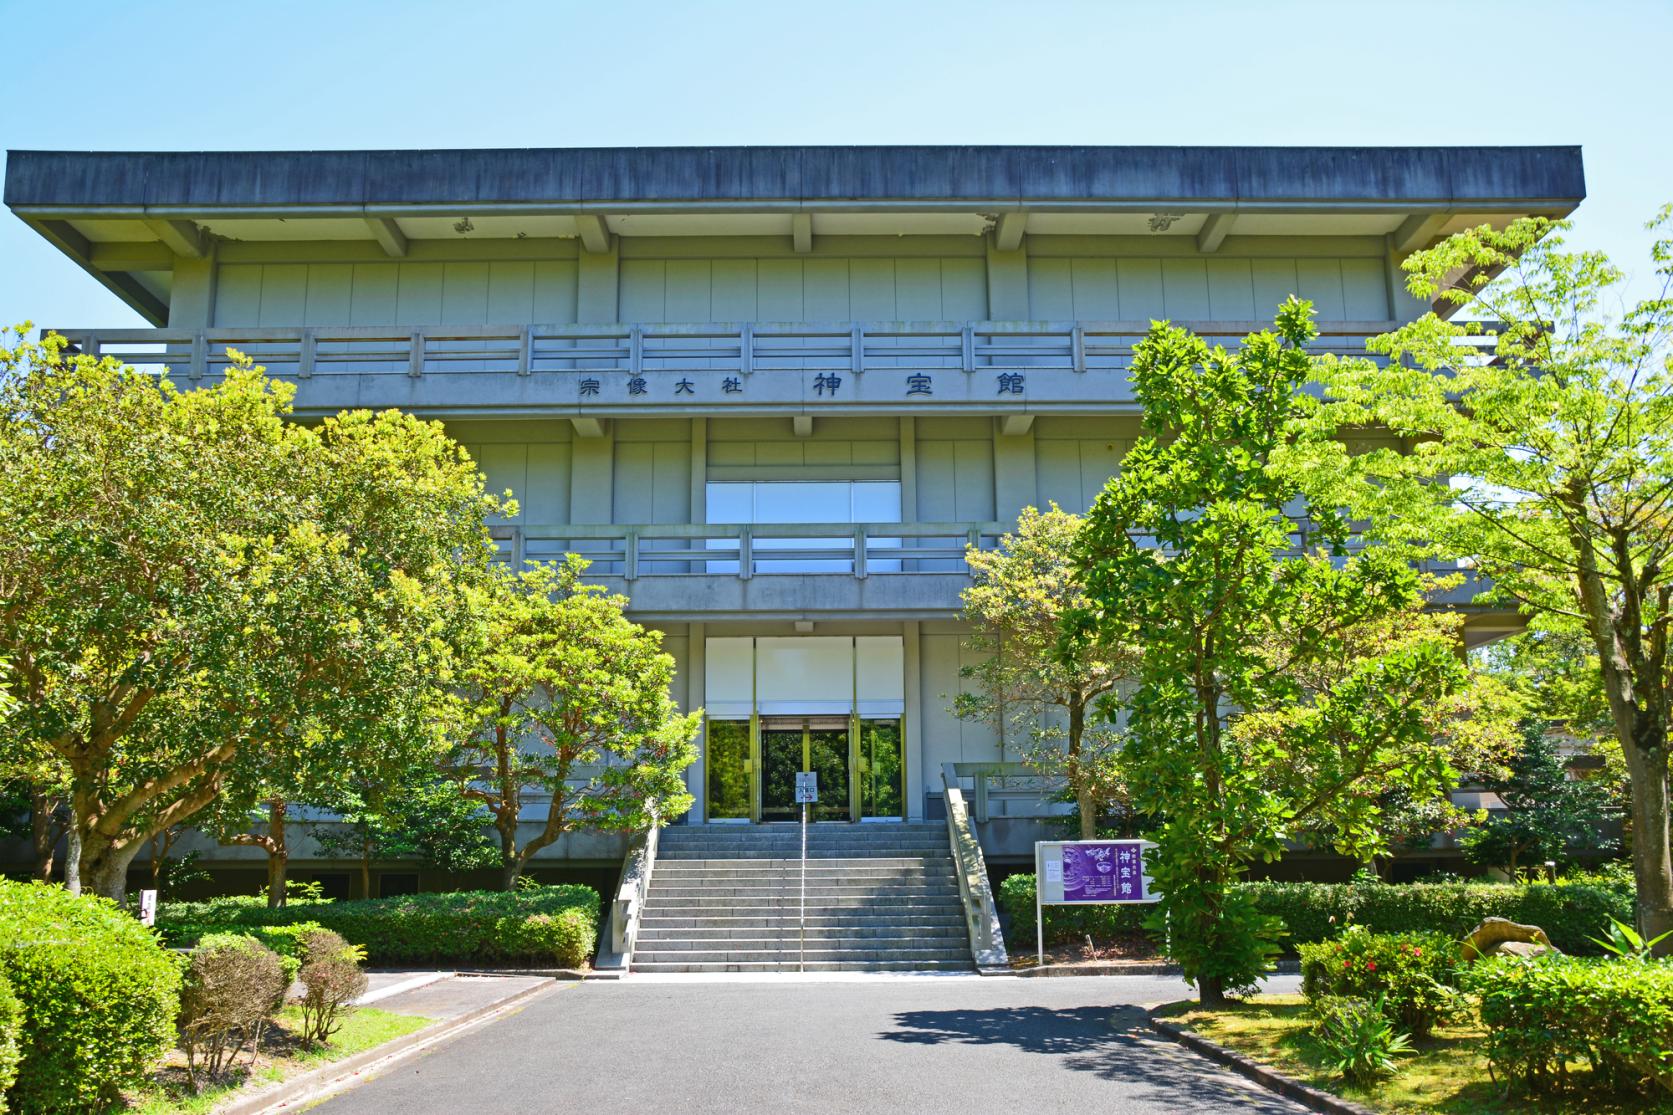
x,y
97,995
545,925
1570,913
1545,1013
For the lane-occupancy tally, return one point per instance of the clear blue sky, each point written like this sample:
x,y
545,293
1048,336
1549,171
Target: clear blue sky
x,y
305,74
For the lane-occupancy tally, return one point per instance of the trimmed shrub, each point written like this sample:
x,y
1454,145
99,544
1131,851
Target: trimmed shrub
x,y
1411,974
546,925
11,1034
233,984
1063,924
1570,914
99,996
1542,1013
331,973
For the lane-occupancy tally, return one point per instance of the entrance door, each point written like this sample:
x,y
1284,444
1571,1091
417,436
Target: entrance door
x,y
818,744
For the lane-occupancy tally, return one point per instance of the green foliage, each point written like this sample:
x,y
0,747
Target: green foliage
x,y
1288,676
415,815
11,1038
565,694
210,600
233,984
1410,974
548,925
1569,914
332,980
1358,1039
1548,813
1029,685
1543,1013
1623,942
99,997
1559,454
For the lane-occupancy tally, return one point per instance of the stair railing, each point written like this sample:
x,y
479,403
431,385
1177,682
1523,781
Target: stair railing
x,y
981,917
629,904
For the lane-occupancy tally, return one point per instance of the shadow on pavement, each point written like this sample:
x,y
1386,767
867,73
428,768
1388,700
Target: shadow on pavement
x,y
1115,1043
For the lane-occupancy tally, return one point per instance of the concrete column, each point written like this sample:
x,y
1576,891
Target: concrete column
x,y
917,778
192,296
699,470
598,285
1014,481
1008,283
1401,305
592,478
694,697
908,469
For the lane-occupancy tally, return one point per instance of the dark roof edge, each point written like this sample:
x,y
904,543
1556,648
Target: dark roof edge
x,y
1477,178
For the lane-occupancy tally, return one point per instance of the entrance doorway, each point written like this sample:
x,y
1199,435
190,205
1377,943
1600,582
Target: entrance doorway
x,y
750,768
793,744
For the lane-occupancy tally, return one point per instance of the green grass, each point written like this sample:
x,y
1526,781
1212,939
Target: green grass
x,y
282,1056
1448,1074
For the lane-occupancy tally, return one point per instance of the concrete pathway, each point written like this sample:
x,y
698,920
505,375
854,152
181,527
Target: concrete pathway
x,y
821,1046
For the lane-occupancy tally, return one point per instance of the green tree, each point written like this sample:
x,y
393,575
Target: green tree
x,y
416,815
192,583
1285,682
1560,454
1028,679
568,698
1547,813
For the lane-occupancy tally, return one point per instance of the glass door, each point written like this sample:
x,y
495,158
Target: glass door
x,y
881,771
789,746
726,768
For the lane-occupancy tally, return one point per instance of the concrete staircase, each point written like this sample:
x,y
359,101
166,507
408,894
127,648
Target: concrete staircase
x,y
726,898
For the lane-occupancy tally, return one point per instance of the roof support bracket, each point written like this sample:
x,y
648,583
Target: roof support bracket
x,y
182,237
801,232
387,232
1007,232
1213,231
594,233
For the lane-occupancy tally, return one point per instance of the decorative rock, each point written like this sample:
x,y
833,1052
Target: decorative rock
x,y
1496,936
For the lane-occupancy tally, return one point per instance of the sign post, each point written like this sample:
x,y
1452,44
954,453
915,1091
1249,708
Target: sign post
x,y
148,907
1088,872
807,793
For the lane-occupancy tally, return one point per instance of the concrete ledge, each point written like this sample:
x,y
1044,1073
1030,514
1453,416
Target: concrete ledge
x,y
1135,968
327,1079
1266,1077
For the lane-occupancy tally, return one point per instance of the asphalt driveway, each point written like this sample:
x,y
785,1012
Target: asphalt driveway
x,y
901,1045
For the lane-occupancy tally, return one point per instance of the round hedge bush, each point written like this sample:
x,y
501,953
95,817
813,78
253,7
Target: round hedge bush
x,y
98,993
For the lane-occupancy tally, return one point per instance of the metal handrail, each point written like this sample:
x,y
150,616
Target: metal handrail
x,y
981,915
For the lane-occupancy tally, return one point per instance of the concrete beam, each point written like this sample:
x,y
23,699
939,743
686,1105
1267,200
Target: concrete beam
x,y
1417,230
594,233
1007,233
182,237
1214,230
801,232
1015,425
387,232
802,425
63,236
590,427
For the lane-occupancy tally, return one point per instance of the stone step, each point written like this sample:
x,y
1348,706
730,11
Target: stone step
x,y
824,866
759,905
791,967
791,932
724,849
738,888
774,954
856,919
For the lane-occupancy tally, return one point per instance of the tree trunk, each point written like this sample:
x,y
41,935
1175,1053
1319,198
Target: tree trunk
x,y
365,867
511,869
1211,991
1652,825
1084,800
72,857
105,867
43,837
278,854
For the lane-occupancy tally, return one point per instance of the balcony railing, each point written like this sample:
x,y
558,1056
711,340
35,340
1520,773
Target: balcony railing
x,y
636,349
750,550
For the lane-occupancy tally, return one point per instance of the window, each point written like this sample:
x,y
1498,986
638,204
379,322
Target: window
x,y
392,884
813,502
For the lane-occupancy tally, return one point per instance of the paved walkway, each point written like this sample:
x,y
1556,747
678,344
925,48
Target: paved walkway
x,y
821,1046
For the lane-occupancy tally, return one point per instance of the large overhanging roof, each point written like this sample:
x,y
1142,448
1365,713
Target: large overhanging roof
x,y
126,216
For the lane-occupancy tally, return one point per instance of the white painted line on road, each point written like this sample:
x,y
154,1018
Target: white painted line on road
x,y
423,979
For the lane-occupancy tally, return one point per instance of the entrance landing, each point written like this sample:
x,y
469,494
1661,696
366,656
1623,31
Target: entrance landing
x,y
727,898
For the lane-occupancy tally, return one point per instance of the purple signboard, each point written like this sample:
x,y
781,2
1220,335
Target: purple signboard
x,y
1106,871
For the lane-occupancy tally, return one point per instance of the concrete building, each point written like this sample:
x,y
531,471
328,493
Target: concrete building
x,y
771,392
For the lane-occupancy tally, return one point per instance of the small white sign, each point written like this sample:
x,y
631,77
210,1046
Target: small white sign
x,y
807,787
148,907
1054,871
